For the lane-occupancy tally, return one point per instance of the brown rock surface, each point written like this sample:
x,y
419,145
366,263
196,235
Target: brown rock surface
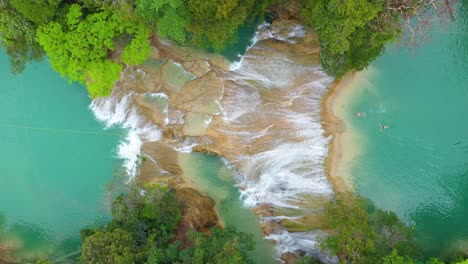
x,y
198,213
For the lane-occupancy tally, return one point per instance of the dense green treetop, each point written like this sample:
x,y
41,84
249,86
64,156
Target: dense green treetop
x,y
143,228
80,36
215,23
361,233
38,12
352,33
169,17
79,49
18,37
222,246
117,246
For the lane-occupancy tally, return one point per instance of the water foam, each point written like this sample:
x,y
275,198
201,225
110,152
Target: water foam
x,y
274,106
118,110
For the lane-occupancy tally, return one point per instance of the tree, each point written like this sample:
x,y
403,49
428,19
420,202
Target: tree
x,y
142,231
222,246
424,12
215,23
353,239
394,258
79,50
392,233
117,246
352,33
139,49
38,12
18,38
169,17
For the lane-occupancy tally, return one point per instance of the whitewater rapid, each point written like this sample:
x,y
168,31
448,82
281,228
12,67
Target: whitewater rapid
x,y
268,125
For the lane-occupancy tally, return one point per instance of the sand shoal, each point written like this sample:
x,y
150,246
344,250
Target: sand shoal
x,y
345,144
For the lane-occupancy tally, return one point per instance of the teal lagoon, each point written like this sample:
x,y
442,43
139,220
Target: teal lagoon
x,y
419,166
57,163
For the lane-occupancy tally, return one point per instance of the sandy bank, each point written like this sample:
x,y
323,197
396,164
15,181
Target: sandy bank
x,y
345,144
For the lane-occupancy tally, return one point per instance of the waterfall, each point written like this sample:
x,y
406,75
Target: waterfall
x,y
268,124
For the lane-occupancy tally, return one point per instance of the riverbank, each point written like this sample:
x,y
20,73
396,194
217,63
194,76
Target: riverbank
x,y
345,144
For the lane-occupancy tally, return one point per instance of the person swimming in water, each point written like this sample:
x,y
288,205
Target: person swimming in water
x,y
359,114
382,127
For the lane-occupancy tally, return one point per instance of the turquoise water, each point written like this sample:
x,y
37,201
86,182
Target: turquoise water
x,y
419,166
214,178
56,162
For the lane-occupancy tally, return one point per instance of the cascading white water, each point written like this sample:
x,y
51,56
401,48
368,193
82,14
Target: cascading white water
x,y
270,126
118,109
272,118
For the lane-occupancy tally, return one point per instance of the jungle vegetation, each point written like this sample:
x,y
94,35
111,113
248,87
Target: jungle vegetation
x,y
89,41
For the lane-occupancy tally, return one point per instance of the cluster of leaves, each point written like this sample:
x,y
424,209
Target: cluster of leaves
x,y
364,234
215,23
352,33
79,49
19,20
170,17
204,23
143,228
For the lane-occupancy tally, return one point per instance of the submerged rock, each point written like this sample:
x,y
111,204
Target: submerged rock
x,y
198,213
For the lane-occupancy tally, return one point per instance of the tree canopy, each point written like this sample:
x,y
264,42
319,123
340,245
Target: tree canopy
x,y
81,36
143,228
352,33
79,49
362,233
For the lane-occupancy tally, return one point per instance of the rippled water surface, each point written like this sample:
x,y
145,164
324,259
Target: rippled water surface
x,y
419,166
56,161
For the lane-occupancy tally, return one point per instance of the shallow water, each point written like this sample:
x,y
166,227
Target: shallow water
x,y
56,161
419,166
213,177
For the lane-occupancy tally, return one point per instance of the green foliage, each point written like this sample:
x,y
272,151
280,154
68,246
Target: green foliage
x,y
100,77
222,246
394,258
79,49
158,208
308,260
18,38
143,228
170,17
117,246
364,234
354,240
352,33
209,24
137,226
392,233
164,255
38,12
139,49
215,23
42,261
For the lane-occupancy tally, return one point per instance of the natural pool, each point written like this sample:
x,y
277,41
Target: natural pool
x,y
57,164
419,166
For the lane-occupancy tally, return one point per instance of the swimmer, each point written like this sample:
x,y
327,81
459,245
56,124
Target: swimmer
x,y
359,114
382,127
